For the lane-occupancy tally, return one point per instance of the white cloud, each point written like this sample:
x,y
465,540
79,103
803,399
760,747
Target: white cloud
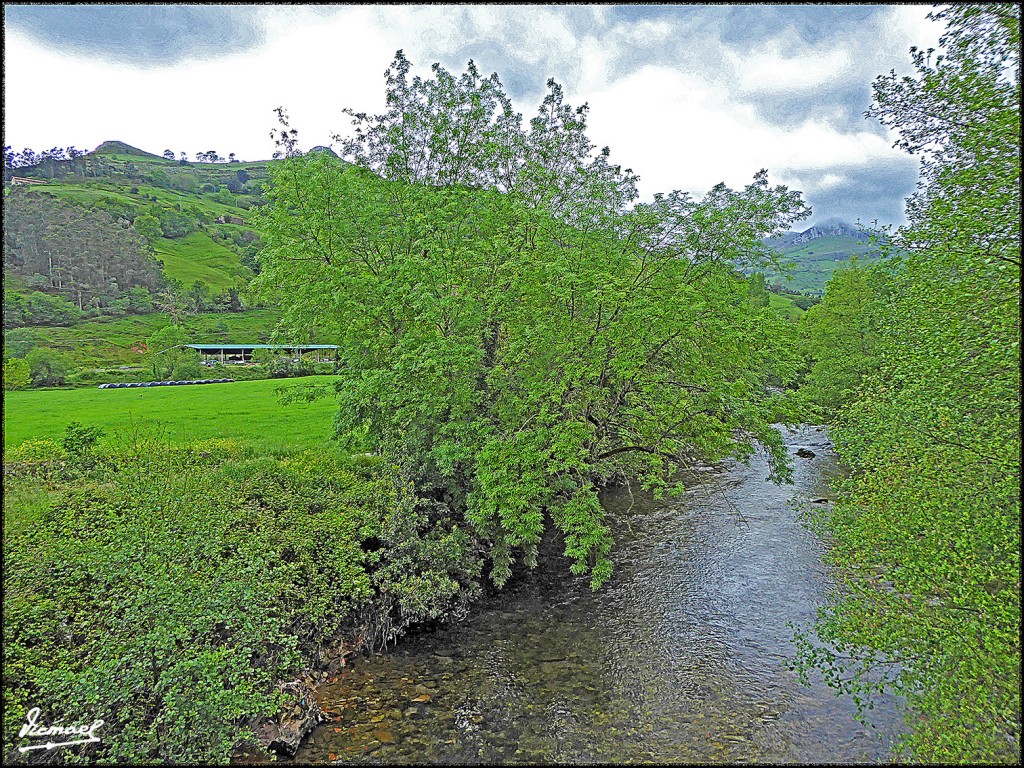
x,y
679,132
907,25
225,104
830,181
687,118
772,72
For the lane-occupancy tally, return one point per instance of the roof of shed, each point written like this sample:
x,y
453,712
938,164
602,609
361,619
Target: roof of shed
x,y
248,347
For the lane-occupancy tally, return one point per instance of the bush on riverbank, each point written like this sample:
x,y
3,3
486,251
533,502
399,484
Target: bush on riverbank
x,y
921,361
168,591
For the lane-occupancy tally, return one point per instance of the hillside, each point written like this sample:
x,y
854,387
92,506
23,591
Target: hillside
x,y
103,249
814,254
117,148
200,207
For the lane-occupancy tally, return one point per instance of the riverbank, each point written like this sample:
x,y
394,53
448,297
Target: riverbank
x,y
240,582
186,593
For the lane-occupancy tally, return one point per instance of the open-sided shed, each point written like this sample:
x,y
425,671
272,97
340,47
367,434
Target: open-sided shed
x,y
242,353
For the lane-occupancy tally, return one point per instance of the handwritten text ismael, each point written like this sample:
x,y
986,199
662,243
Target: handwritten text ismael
x,y
33,729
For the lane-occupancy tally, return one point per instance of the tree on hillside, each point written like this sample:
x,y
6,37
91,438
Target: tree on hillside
x,y
28,158
930,536
757,291
514,333
168,154
44,309
14,309
198,298
171,303
83,254
168,357
47,367
77,162
148,226
175,224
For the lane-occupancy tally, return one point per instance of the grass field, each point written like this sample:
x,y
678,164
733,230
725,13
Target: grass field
x,y
785,305
197,257
246,410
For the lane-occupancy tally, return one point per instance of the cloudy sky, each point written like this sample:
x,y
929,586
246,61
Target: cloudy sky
x,y
685,95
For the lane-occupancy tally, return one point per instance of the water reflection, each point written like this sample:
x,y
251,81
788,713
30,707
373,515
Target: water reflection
x,y
678,659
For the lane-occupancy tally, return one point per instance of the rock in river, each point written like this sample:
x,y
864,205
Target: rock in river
x,y
284,734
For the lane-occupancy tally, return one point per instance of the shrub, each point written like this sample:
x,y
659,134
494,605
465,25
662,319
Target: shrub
x,y
172,590
79,441
48,367
16,373
42,458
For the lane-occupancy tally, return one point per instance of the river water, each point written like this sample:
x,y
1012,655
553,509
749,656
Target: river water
x,y
679,659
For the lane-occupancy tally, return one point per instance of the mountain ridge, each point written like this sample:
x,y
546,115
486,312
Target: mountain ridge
x,y
811,256
833,226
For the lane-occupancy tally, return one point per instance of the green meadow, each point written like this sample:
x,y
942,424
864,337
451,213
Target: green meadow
x,y
785,305
248,411
197,257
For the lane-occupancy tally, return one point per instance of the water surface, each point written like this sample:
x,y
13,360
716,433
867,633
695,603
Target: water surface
x,y
678,659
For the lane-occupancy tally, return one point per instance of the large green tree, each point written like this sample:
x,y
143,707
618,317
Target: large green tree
x,y
840,336
928,540
47,367
513,333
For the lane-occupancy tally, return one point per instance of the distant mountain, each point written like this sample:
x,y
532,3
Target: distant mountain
x,y
814,254
120,148
831,227
322,148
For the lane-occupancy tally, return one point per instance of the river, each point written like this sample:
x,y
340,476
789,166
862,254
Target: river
x,y
679,659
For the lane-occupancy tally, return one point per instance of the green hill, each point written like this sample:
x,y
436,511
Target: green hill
x,y
183,226
201,206
119,148
813,263
813,255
